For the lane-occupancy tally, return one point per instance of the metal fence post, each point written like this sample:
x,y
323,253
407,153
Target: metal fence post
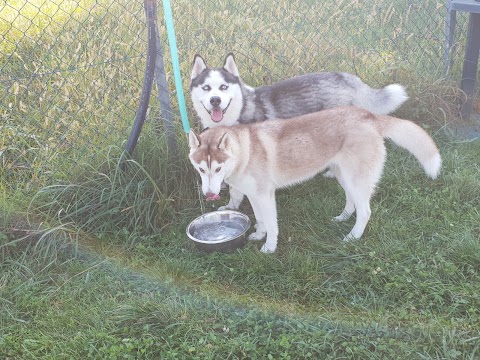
x,y
164,98
470,63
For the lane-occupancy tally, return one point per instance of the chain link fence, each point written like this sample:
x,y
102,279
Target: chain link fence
x,y
71,71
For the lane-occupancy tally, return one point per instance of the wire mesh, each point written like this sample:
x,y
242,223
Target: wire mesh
x,y
71,70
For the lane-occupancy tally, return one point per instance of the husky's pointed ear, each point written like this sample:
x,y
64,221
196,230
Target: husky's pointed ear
x,y
193,140
224,143
230,65
198,66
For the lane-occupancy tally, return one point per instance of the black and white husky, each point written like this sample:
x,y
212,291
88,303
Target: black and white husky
x,y
220,97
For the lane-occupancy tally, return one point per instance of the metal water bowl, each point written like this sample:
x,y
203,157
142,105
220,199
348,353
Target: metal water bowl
x,y
221,231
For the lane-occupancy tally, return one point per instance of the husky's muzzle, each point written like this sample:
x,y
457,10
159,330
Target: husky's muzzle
x,y
216,114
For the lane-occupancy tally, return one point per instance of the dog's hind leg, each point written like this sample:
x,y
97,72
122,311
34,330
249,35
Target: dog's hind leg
x,y
358,194
361,198
359,184
349,206
236,198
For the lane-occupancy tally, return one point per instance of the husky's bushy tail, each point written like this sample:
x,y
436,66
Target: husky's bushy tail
x,y
385,100
414,139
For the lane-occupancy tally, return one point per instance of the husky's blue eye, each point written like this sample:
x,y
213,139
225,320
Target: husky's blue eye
x,y
206,88
223,87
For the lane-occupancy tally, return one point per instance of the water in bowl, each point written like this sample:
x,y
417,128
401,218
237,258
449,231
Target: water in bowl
x,y
217,231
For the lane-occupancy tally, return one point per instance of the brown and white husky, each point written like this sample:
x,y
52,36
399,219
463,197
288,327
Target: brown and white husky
x,y
256,159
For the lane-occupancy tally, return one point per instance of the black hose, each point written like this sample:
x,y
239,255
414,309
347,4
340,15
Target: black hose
x,y
151,14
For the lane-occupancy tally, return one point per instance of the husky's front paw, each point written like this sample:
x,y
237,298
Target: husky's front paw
x,y
341,217
345,215
268,249
351,237
257,235
229,206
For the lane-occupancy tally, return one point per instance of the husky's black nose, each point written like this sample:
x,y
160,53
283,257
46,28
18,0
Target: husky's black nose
x,y
215,100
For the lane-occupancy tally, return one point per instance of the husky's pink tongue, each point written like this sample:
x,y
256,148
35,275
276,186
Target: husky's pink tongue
x,y
217,115
212,197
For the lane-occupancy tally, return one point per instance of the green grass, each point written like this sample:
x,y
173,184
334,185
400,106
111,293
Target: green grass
x,y
94,261
408,290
